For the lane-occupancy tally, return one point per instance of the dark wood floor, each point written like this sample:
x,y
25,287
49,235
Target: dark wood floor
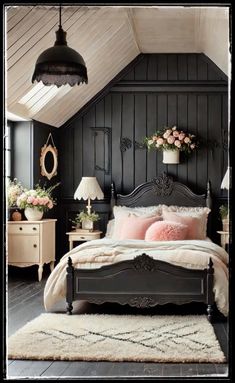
x,y
25,302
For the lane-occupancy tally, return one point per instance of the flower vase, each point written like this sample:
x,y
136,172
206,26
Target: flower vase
x,y
171,156
33,214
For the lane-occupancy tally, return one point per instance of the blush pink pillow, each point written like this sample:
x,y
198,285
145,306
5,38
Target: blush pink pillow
x,y
166,231
132,227
195,224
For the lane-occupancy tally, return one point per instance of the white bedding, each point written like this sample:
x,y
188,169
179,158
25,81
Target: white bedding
x,y
192,254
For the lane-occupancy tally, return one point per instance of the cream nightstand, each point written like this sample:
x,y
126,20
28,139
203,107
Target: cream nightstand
x,y
31,243
224,238
82,236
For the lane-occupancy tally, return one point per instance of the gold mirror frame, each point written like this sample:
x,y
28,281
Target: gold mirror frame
x,y
48,149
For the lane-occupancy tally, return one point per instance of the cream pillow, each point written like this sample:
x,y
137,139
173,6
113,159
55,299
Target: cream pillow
x,y
149,211
175,208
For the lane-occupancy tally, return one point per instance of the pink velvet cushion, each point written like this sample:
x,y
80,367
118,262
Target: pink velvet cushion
x,y
132,227
166,231
195,223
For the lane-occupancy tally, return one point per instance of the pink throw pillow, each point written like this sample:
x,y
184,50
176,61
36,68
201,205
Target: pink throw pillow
x,y
132,227
195,224
166,231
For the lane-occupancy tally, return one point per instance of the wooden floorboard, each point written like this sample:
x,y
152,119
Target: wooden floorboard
x,y
222,369
172,369
78,369
56,368
23,292
26,303
27,368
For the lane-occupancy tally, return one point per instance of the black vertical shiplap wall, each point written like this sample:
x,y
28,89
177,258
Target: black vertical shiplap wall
x,y
187,90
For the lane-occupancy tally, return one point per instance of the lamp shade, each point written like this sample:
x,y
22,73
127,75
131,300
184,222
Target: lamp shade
x,y
88,189
60,65
225,181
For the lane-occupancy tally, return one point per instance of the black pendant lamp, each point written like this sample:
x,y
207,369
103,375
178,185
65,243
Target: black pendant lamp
x,y
60,65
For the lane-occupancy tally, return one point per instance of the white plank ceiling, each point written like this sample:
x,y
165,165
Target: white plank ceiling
x,y
108,38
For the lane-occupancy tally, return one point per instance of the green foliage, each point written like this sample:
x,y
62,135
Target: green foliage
x,y
84,216
223,209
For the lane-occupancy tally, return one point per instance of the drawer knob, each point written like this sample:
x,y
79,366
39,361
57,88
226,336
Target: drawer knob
x,y
34,245
82,237
20,228
34,228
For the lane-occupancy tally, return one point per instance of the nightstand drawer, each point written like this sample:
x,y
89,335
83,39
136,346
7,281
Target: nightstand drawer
x,y
86,237
23,229
23,249
79,236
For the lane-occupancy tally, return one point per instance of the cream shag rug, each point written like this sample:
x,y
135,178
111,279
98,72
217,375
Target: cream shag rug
x,y
117,338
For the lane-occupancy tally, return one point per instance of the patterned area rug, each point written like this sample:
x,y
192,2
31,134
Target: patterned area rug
x,y
117,338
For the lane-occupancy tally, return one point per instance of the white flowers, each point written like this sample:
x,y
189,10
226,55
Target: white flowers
x,y
172,139
14,190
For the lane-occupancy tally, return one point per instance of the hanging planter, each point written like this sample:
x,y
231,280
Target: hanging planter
x,y
171,156
172,141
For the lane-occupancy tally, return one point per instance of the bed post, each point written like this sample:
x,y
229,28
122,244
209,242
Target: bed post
x,y
210,293
208,195
209,205
70,283
113,199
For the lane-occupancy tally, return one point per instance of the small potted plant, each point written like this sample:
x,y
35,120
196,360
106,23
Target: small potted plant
x,y
87,220
76,223
223,209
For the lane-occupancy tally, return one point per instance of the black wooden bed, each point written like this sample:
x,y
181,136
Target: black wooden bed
x,y
145,282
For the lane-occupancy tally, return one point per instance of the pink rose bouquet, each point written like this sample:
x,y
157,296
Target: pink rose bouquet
x,y
38,197
172,139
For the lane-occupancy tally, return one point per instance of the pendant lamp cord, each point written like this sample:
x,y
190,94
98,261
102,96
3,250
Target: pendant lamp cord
x,y
60,17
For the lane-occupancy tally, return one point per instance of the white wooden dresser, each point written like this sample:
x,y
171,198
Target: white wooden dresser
x,y
31,243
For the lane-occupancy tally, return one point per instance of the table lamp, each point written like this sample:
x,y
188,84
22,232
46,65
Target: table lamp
x,y
88,189
225,182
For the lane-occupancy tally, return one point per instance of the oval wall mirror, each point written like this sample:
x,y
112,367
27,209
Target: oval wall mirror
x,y
49,161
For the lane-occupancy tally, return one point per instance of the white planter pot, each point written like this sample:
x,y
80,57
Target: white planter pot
x,y
33,214
171,156
87,224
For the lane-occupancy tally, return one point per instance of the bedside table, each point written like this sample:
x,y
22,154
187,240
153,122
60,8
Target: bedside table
x,y
31,243
82,236
224,238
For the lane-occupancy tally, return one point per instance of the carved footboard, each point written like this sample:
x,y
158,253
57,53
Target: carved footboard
x,y
140,282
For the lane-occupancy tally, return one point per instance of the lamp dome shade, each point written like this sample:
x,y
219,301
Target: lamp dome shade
x,y
88,188
225,181
60,65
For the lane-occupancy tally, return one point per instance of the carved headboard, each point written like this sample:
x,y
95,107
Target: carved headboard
x,y
163,190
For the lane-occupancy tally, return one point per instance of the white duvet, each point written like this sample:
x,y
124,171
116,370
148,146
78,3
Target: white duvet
x,y
191,254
